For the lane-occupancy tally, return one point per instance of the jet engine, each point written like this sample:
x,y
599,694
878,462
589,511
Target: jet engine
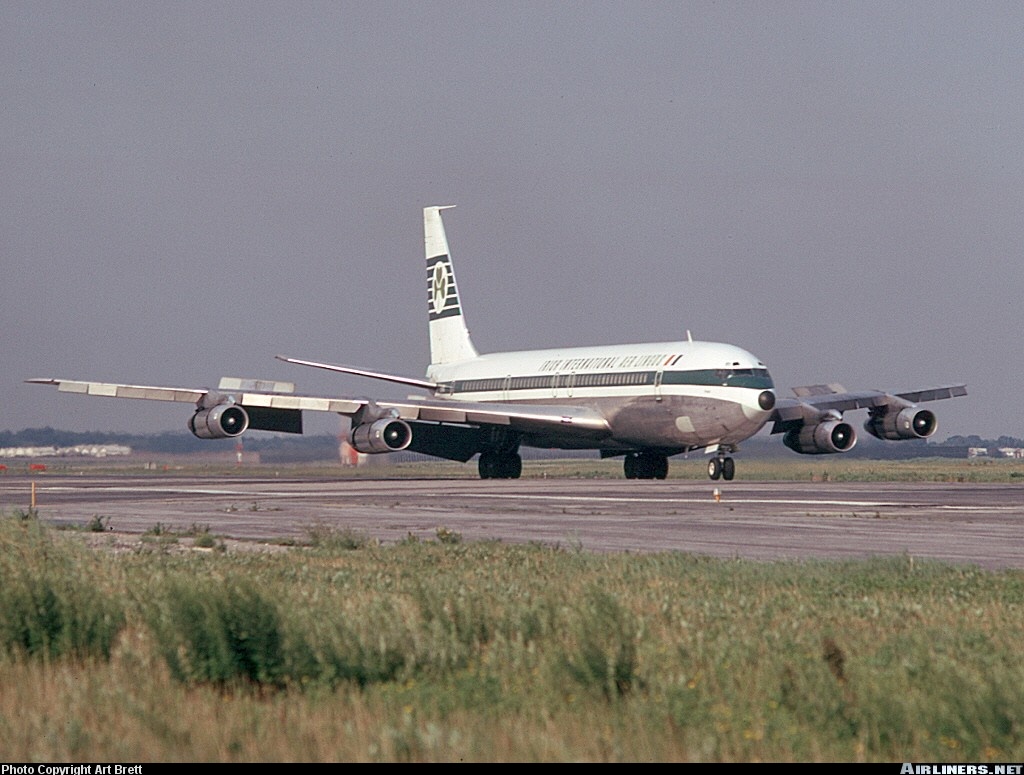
x,y
909,423
388,434
222,421
823,438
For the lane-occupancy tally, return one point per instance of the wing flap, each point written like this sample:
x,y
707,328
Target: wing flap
x,y
451,442
440,414
818,390
526,417
278,420
488,418
256,385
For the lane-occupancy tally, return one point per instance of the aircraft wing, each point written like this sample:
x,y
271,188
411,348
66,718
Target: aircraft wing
x,y
273,406
817,400
112,390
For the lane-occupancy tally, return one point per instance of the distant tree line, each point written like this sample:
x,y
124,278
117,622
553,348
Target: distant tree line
x,y
272,448
280,448
977,441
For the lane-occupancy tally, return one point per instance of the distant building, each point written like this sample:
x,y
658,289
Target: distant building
x,y
79,450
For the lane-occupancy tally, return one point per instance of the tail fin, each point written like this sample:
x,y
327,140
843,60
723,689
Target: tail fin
x,y
449,337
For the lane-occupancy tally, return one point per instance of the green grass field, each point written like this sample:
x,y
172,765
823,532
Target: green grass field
x,y
344,650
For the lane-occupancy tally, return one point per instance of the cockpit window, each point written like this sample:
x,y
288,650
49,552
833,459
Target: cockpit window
x,y
749,378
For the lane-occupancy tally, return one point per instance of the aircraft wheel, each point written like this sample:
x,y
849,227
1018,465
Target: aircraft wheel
x,y
643,466
715,468
511,466
487,465
661,467
650,465
728,469
631,465
494,465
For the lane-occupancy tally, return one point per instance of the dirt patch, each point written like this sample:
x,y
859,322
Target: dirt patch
x,y
117,543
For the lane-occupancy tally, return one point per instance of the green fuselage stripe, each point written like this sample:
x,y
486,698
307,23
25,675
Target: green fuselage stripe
x,y
757,379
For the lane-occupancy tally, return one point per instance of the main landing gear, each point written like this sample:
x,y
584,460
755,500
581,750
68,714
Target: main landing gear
x,y
722,467
500,465
646,465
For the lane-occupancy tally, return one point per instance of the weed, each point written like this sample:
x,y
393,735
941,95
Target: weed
x,y
327,537
446,536
256,507
50,604
97,524
220,634
204,541
605,657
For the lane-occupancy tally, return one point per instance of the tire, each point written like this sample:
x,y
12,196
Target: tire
x,y
728,469
631,466
487,465
661,467
511,466
715,468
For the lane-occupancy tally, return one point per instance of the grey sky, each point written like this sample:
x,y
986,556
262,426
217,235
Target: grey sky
x,y
191,188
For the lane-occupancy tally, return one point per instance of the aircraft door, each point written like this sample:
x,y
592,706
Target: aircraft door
x,y
562,385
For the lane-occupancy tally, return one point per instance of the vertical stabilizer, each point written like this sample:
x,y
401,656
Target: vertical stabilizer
x,y
449,337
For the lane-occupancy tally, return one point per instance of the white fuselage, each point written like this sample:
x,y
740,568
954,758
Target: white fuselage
x,y
665,395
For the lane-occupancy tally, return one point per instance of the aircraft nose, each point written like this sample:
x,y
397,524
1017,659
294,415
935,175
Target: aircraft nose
x,y
756,409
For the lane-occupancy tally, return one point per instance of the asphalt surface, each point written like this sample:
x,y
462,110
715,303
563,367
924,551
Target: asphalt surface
x,y
963,523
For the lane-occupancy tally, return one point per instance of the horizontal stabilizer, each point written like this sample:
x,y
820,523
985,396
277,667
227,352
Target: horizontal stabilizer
x,y
421,383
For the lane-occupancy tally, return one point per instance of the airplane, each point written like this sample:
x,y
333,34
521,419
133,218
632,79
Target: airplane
x,y
645,402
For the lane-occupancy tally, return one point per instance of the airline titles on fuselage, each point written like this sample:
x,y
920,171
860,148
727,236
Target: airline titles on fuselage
x,y
621,362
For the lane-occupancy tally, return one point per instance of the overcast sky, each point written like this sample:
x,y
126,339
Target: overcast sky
x,y
189,189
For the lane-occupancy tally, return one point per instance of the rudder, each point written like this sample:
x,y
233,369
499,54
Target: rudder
x,y
449,337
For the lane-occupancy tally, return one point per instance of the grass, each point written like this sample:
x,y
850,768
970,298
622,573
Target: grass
x,y
443,650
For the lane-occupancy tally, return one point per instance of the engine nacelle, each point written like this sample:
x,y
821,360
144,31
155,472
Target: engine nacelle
x,y
385,435
223,421
910,423
824,438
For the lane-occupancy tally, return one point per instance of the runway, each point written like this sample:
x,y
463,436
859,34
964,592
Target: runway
x,y
963,523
